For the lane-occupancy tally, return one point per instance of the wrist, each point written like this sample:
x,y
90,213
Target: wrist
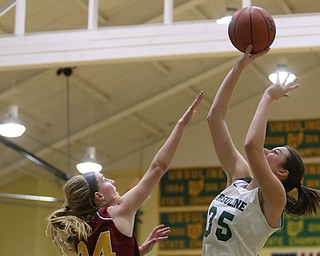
x,y
267,96
141,250
240,65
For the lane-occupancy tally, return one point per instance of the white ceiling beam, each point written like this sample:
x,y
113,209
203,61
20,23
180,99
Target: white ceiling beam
x,y
84,5
20,18
168,12
246,3
93,14
178,9
146,42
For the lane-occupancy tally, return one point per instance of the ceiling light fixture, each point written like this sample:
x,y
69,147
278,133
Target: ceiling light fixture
x,y
89,164
227,17
11,127
283,73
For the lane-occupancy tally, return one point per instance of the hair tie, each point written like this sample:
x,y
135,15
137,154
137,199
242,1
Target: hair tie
x,y
91,180
70,239
299,185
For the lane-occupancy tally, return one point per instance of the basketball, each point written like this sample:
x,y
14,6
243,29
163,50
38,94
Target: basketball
x,y
252,25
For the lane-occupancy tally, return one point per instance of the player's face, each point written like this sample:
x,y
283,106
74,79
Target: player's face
x,y
106,187
276,157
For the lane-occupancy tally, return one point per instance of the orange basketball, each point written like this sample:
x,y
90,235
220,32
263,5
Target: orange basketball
x,y
252,25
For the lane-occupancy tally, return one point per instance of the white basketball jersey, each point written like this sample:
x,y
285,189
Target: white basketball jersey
x,y
235,224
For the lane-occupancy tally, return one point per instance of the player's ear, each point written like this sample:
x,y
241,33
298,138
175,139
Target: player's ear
x,y
283,172
98,196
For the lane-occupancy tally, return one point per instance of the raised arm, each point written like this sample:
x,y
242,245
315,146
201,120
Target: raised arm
x,y
232,162
131,200
265,173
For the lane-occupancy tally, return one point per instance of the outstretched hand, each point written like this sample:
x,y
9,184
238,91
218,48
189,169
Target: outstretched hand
x,y
282,88
158,234
187,116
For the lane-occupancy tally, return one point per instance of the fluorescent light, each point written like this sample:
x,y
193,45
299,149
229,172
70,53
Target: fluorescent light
x,y
283,73
89,164
11,127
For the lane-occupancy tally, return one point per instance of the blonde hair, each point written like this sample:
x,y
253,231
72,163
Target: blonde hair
x,y
70,222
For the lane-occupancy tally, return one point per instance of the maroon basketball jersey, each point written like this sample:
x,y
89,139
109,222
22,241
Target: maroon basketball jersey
x,y
106,239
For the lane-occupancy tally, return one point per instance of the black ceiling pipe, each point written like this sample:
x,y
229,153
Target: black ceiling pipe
x,y
55,171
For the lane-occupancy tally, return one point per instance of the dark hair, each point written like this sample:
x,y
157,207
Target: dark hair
x,y
308,200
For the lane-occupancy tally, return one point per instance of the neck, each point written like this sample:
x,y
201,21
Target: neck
x,y
113,201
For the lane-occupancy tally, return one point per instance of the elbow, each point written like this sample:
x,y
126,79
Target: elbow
x,y
217,113
160,168
252,147
212,123
212,117
249,149
209,119
249,145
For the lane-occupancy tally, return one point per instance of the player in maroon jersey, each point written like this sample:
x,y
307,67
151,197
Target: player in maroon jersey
x,y
95,220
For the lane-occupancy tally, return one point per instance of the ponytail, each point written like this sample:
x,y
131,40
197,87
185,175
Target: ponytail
x,y
71,221
307,202
64,228
308,199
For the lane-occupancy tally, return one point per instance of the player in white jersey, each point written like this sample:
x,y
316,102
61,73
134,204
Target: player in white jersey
x,y
239,217
242,217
